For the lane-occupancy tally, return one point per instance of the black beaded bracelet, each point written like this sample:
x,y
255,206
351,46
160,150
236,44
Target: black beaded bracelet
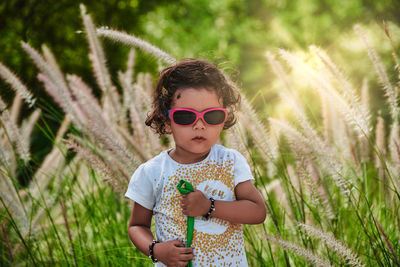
x,y
212,208
151,247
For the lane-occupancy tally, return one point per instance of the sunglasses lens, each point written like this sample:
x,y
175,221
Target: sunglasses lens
x,y
214,117
184,117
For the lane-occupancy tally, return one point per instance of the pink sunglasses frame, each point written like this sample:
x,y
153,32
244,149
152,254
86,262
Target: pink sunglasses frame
x,y
199,115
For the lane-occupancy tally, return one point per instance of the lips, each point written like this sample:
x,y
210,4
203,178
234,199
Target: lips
x,y
198,139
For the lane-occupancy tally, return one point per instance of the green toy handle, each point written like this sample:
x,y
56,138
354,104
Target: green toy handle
x,y
186,189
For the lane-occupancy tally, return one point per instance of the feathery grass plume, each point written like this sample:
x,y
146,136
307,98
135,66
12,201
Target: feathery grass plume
x,y
349,94
292,97
391,92
27,125
327,122
365,102
309,173
322,194
126,80
267,148
339,248
87,102
17,85
16,108
51,61
326,88
131,105
143,90
133,41
10,198
380,144
141,101
70,106
97,164
130,63
110,97
54,84
13,132
139,148
6,155
298,250
256,129
322,154
393,144
236,139
304,175
387,242
137,123
110,142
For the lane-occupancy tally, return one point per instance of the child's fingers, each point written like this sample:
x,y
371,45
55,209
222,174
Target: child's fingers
x,y
177,243
185,250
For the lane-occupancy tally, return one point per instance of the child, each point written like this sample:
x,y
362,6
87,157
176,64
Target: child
x,y
194,101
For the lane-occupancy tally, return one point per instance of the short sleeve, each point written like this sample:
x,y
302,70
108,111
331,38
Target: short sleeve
x,y
140,189
242,170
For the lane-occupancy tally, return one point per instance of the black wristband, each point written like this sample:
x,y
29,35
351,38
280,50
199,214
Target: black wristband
x,y
212,208
151,247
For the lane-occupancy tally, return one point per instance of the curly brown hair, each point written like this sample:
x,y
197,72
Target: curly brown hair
x,y
191,73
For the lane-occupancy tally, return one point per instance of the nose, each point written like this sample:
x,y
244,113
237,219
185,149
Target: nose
x,y
200,124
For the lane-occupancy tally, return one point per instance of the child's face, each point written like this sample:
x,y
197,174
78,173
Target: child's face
x,y
194,141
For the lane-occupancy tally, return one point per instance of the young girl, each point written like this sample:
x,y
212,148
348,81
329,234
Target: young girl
x,y
194,102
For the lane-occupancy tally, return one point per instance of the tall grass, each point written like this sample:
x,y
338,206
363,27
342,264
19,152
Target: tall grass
x,y
331,187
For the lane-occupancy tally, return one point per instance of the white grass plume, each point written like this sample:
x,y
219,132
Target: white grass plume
x,y
290,95
380,142
59,76
96,163
112,143
16,108
361,112
17,85
325,88
13,132
28,124
136,42
87,100
298,250
365,102
53,81
267,148
391,92
97,54
394,143
322,153
110,97
9,196
126,81
339,248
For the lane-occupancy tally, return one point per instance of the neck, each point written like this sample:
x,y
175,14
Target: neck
x,y
185,157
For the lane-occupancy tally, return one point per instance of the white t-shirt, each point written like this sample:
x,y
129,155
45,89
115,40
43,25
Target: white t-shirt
x,y
154,186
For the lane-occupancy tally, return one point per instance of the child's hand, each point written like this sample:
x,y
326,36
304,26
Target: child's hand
x,y
195,204
173,253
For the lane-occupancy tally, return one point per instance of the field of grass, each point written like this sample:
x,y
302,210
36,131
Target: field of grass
x,y
330,179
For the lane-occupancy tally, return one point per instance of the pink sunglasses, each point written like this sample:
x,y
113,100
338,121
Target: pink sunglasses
x,y
186,117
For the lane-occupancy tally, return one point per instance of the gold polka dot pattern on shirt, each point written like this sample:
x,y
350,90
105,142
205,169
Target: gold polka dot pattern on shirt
x,y
209,249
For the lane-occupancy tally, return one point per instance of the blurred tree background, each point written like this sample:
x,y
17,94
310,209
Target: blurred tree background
x,y
233,33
